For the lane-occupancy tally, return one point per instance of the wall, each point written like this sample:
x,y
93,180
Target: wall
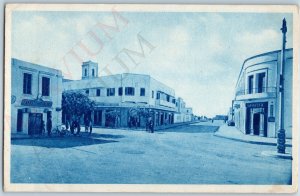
x,y
37,71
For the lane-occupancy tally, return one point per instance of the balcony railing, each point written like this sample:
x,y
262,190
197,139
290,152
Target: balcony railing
x,y
256,91
164,103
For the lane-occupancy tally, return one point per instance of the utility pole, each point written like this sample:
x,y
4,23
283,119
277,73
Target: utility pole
x,y
281,132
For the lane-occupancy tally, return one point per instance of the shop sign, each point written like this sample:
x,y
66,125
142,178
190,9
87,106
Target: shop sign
x,y
36,103
237,106
271,119
256,105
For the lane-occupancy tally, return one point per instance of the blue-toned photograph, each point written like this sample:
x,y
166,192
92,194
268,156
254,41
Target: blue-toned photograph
x,y
151,97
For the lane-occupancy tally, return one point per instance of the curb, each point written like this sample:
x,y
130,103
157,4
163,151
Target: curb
x,y
249,141
277,155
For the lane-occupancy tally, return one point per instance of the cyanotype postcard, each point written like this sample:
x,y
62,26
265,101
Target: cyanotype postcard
x,y
151,98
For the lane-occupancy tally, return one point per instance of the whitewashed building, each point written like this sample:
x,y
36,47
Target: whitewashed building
x,y
124,93
256,104
183,113
35,96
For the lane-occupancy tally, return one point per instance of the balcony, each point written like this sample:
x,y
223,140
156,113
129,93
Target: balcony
x,y
161,102
256,93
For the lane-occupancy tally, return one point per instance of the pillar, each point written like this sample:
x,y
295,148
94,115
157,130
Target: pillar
x,y
103,118
251,123
25,123
261,124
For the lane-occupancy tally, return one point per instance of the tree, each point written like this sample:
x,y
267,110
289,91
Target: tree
x,y
76,104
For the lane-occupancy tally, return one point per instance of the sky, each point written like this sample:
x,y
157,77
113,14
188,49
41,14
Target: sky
x,y
199,55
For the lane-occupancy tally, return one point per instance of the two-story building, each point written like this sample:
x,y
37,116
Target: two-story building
x,y
256,104
35,97
125,94
183,113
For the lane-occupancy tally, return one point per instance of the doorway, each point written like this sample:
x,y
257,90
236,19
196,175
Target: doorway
x,y
20,120
256,123
35,123
98,117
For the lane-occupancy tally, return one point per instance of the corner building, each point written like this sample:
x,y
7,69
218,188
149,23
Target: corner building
x,y
124,94
256,105
35,97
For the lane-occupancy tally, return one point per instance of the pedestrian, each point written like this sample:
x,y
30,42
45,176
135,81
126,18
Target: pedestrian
x,y
78,127
72,127
49,126
86,124
151,126
91,126
147,124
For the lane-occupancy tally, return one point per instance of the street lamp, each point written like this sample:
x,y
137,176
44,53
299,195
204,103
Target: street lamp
x,y
281,132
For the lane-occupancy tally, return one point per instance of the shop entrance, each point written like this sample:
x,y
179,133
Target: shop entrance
x,y
20,120
256,118
256,123
35,123
97,117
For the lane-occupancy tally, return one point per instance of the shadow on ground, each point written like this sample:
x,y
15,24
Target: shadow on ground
x,y
192,129
106,136
60,142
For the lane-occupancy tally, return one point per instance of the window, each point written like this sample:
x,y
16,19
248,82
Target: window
x,y
129,91
152,94
250,84
168,98
173,101
45,86
261,83
87,91
142,92
85,72
93,72
27,83
157,95
98,92
120,91
111,92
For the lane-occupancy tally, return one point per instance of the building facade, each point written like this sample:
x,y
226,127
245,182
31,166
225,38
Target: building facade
x,y
125,95
35,97
256,107
183,113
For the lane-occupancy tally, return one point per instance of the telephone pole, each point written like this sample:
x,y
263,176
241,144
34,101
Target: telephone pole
x,y
281,132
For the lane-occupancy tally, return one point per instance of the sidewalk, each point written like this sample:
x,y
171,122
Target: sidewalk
x,y
231,132
15,136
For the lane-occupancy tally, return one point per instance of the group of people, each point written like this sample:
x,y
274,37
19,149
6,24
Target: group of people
x,y
133,121
75,126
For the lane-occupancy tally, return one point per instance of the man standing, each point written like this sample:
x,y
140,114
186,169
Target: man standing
x,y
91,126
49,126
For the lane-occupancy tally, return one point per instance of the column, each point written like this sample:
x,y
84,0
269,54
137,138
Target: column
x,y
25,123
261,124
251,122
103,118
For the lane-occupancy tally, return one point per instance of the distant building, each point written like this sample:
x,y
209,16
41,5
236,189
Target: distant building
x,y
221,117
35,97
183,113
256,104
125,94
